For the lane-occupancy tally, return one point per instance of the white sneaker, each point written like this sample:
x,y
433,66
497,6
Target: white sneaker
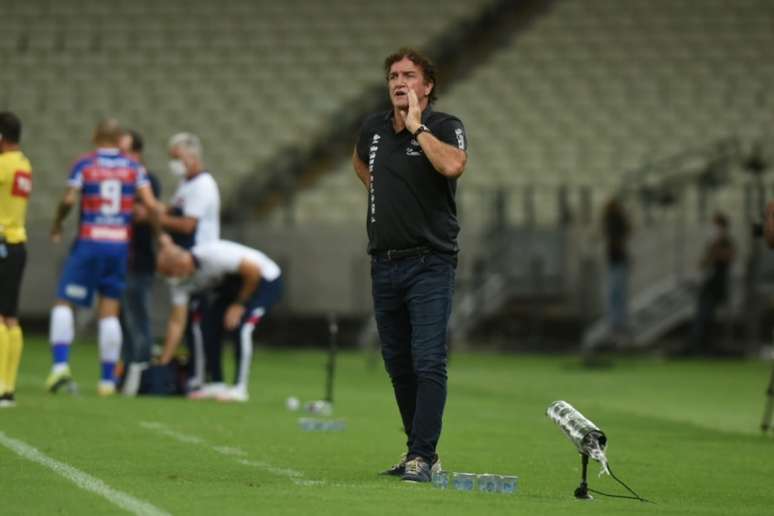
x,y
207,391
132,379
233,394
193,384
106,388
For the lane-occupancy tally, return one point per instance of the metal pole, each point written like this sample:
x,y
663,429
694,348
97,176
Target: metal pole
x,y
333,332
769,407
582,491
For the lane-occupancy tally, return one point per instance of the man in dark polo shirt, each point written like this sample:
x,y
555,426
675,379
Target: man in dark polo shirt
x,y
136,303
409,159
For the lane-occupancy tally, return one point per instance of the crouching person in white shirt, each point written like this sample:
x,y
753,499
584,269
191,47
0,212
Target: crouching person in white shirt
x,y
246,284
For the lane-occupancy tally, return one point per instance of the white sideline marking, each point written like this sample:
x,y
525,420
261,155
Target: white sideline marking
x,y
229,451
82,480
165,430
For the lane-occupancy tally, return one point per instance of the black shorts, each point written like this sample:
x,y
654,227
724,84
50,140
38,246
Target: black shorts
x,y
11,272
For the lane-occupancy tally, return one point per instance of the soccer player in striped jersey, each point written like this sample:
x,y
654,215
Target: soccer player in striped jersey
x,y
15,189
108,182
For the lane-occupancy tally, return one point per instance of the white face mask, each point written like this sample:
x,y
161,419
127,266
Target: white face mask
x,y
177,168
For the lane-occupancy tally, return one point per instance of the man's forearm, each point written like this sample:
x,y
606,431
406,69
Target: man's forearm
x,y
186,225
251,277
447,160
249,286
361,169
61,213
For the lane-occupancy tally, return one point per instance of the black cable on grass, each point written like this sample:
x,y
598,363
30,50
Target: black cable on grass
x,y
635,497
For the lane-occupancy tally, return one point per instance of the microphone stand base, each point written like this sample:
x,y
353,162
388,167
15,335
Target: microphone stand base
x,y
582,492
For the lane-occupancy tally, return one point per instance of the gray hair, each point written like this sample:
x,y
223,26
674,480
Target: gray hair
x,y
188,141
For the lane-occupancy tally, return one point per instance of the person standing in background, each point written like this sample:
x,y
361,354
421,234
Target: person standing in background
x,y
616,228
108,183
15,190
192,219
136,303
716,264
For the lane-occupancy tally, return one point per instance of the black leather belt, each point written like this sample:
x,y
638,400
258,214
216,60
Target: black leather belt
x,y
399,254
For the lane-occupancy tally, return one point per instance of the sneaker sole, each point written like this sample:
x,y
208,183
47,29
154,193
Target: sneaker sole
x,y
62,382
390,473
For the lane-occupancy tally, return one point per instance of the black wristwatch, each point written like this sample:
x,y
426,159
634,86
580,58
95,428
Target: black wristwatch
x,y
421,129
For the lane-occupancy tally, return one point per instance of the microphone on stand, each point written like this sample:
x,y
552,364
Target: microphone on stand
x,y
589,440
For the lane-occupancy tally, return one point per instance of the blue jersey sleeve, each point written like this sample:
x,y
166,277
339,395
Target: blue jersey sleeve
x,y
142,177
75,177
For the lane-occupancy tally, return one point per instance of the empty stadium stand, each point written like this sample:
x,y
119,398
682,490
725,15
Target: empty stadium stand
x,y
594,89
255,79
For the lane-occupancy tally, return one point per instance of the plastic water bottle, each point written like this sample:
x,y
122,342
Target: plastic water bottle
x,y
489,483
441,479
463,481
309,424
510,484
486,482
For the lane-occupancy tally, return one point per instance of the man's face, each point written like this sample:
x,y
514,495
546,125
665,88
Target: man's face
x,y
125,145
405,75
188,159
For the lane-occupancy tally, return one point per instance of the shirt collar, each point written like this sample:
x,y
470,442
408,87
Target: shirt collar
x,y
112,151
186,179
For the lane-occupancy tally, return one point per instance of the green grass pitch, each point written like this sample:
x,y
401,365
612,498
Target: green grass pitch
x,y
684,434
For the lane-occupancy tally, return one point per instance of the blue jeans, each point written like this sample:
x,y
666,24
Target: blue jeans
x,y
412,305
618,296
135,318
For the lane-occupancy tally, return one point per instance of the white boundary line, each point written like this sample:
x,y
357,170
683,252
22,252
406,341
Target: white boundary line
x,y
81,479
235,453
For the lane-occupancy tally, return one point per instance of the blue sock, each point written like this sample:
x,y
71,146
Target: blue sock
x,y
108,369
61,353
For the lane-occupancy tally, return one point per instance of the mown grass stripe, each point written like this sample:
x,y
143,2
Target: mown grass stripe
x,y
83,480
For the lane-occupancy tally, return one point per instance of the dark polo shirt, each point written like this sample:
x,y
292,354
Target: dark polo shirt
x,y
410,204
142,256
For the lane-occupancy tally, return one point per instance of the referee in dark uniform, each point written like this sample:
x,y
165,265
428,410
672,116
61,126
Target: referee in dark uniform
x,y
409,159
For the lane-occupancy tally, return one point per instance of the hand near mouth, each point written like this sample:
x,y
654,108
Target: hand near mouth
x,y
412,118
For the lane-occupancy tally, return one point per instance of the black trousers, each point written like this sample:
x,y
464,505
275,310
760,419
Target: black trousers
x,y
13,259
259,304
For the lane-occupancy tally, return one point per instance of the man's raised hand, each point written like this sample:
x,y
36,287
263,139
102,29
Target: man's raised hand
x,y
412,119
768,224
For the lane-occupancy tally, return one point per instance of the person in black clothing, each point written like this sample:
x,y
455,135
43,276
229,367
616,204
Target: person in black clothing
x,y
713,292
616,229
136,305
409,159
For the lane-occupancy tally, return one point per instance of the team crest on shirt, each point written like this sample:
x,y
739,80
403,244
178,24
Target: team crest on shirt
x,y
22,184
413,149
